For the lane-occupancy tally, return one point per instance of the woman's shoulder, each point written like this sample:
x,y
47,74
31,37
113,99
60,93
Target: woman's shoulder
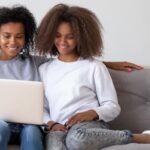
x,y
38,60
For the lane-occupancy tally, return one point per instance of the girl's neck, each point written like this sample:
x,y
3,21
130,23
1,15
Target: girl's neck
x,y
68,58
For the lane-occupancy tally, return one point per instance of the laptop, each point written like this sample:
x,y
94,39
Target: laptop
x,y
21,101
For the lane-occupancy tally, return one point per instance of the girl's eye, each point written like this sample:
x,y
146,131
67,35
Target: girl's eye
x,y
57,36
71,37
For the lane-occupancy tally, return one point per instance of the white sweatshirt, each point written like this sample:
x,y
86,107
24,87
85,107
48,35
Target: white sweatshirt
x,y
72,87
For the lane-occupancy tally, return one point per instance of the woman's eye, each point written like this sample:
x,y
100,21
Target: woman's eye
x,y
6,36
19,37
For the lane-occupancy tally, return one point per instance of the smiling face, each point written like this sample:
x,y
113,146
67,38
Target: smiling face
x,y
12,40
65,41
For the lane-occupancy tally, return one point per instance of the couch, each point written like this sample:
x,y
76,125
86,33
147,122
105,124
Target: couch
x,y
133,91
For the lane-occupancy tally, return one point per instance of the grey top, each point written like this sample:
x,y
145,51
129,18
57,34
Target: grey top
x,y
20,69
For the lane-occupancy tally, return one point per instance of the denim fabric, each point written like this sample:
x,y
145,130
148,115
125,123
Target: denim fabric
x,y
92,135
4,135
16,128
30,136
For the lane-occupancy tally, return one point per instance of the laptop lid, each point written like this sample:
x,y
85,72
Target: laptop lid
x,y
21,101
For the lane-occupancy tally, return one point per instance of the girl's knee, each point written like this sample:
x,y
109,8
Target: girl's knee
x,y
76,140
55,140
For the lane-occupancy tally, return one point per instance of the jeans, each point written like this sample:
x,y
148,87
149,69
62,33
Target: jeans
x,y
92,135
30,137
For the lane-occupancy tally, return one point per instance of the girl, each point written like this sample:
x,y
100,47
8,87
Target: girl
x,y
17,29
80,95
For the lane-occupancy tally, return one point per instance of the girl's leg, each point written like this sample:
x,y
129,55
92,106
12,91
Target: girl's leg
x,y
56,140
141,138
95,135
31,138
4,135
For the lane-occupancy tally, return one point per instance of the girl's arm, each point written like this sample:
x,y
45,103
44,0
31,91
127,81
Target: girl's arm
x,y
106,96
109,108
82,117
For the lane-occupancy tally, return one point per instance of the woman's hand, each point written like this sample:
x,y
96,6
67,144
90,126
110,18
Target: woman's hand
x,y
54,126
124,66
59,127
81,117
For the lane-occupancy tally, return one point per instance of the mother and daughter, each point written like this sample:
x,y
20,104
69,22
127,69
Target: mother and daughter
x,y
80,96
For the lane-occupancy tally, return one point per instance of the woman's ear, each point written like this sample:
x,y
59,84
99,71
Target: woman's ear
x,y
0,51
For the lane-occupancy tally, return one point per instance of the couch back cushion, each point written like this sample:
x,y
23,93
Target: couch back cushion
x,y
133,90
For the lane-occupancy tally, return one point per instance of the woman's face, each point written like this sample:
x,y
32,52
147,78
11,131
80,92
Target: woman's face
x,y
65,41
12,40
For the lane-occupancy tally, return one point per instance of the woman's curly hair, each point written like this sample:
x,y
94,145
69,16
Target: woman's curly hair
x,y
85,25
20,14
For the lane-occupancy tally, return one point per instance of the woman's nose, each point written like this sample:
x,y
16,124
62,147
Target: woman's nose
x,y
13,40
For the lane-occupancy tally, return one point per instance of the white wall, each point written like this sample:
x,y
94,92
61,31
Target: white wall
x,y
126,25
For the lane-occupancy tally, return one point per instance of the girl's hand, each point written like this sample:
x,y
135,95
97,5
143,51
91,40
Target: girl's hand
x,y
81,117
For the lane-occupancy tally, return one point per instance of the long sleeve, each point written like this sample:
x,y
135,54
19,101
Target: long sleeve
x,y
106,94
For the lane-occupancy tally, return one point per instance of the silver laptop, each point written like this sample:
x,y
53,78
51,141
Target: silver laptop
x,y
21,101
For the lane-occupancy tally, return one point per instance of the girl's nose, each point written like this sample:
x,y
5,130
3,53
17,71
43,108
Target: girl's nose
x,y
62,40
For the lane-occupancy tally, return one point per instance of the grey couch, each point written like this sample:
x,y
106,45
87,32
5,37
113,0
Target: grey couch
x,y
133,91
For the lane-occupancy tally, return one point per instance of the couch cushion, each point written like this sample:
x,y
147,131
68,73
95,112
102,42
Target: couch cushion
x,y
133,91
132,146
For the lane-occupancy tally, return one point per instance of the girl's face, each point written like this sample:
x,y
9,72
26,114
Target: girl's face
x,y
12,40
65,41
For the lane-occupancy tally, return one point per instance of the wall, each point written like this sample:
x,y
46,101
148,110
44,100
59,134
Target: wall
x,y
126,25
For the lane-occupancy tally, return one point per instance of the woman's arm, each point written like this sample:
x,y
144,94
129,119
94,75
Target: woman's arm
x,y
123,66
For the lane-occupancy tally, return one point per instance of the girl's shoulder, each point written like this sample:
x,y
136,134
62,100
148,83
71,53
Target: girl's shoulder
x,y
95,62
97,65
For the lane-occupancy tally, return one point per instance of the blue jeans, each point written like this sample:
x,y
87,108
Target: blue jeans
x,y
92,135
30,137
